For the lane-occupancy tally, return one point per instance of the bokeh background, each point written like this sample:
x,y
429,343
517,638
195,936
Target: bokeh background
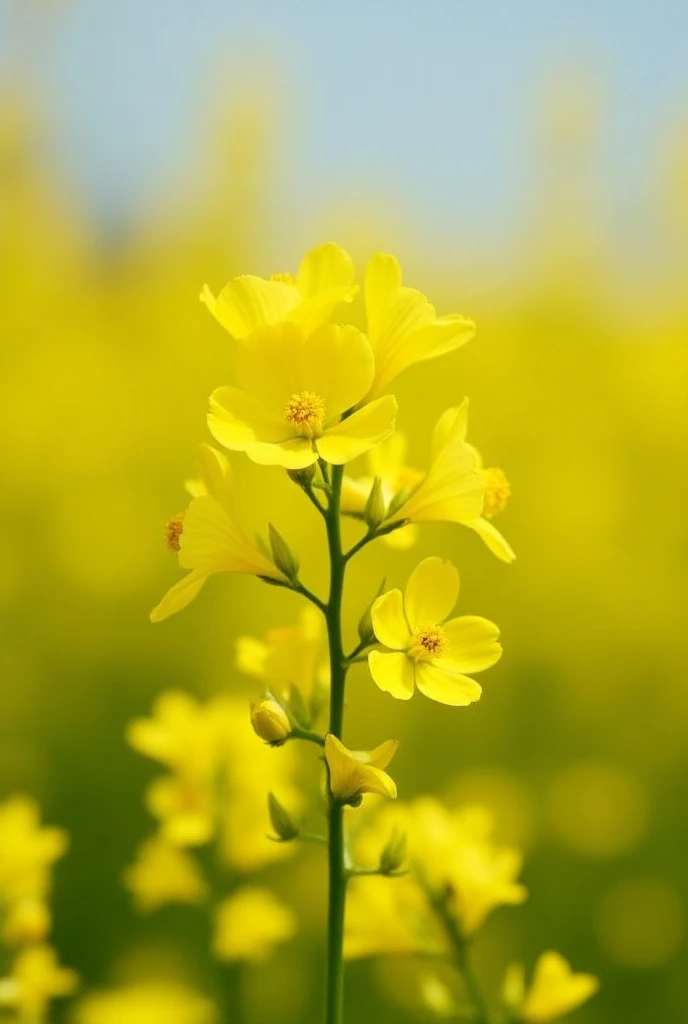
x,y
528,163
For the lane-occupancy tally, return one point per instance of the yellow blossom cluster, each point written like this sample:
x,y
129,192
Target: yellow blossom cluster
x,y
28,851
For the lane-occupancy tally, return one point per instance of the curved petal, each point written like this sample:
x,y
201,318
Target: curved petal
x,y
452,491
249,302
382,281
354,495
178,596
296,453
497,544
393,673
236,420
382,755
323,268
217,476
212,541
472,644
271,364
389,622
446,687
431,592
414,339
338,365
451,426
359,432
377,781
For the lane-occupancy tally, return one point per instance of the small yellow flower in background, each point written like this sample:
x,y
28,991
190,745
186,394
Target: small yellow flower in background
x,y
324,281
26,922
209,539
186,810
355,772
289,656
36,979
250,924
181,734
270,721
403,327
387,463
27,850
293,390
451,428
162,874
438,998
147,1002
554,991
428,651
386,916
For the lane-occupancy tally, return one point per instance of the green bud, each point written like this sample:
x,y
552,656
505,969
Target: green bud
x,y
366,633
374,512
297,707
394,853
399,499
303,477
282,555
286,828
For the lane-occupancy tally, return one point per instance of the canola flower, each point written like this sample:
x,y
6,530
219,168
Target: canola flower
x,y
309,395
554,991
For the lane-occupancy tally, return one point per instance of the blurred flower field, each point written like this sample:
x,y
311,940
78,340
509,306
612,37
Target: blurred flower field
x,y
578,381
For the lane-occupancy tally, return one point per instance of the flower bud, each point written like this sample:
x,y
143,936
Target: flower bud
x,y
270,721
366,632
303,477
285,826
394,853
282,555
374,511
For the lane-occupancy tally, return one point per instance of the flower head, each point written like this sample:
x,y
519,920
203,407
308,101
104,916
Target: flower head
x,y
209,539
249,924
386,462
324,280
270,721
147,1002
403,327
27,850
554,991
293,389
36,979
289,656
355,772
162,874
425,650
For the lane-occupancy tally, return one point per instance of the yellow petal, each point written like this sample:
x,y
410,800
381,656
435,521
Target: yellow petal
x,y
354,495
323,268
237,419
212,541
555,990
359,432
417,341
218,479
269,365
296,453
338,365
377,781
382,279
382,755
472,644
249,302
446,687
452,491
494,540
178,596
431,592
393,673
389,622
451,426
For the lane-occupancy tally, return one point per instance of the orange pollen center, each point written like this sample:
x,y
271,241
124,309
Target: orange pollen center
x,y
283,278
306,412
497,491
428,641
173,531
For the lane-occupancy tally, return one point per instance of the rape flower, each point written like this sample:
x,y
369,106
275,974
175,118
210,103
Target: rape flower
x,y
27,850
147,1002
35,980
185,808
386,462
425,650
403,327
324,280
294,388
209,539
162,874
384,917
554,991
250,924
355,772
289,656
270,721
181,734
26,922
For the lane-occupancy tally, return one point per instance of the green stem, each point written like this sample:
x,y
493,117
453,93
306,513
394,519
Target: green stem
x,y
463,963
336,858
298,733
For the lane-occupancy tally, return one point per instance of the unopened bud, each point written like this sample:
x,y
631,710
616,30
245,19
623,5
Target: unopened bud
x,y
282,555
303,477
26,922
286,828
399,500
374,511
366,632
270,721
298,707
394,853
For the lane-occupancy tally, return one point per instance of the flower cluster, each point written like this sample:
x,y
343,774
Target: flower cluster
x,y
28,851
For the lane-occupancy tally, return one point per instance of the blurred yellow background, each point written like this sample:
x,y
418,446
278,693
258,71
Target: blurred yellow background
x,y
578,387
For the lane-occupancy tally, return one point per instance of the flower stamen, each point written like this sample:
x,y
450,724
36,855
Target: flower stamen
x,y
429,641
306,412
497,491
173,531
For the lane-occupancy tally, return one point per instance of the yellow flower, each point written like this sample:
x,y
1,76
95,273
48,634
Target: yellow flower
x,y
147,1002
27,850
293,390
451,429
429,652
185,808
36,979
403,327
289,656
249,924
162,874
208,538
555,990
386,462
270,721
386,916
181,734
324,280
355,772
26,922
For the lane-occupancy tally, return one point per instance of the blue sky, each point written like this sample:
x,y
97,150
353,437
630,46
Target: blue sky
x,y
435,103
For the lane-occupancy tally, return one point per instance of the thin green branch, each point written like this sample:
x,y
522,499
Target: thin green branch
x,y
297,733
